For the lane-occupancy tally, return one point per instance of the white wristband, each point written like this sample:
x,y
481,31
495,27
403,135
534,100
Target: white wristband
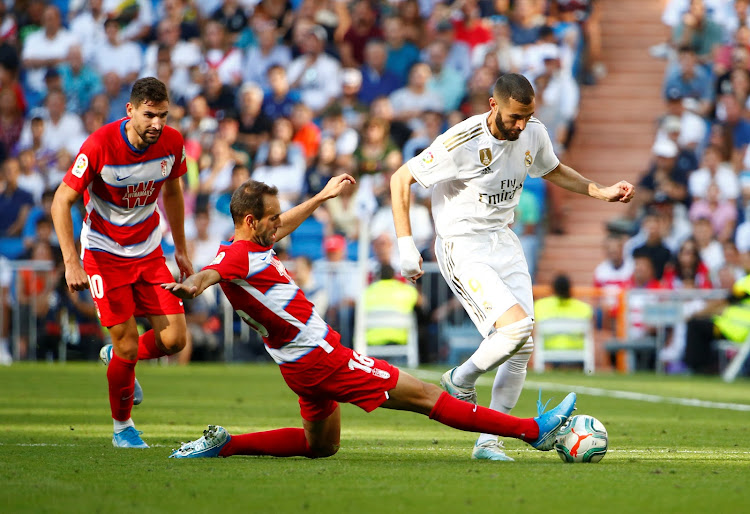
x,y
409,257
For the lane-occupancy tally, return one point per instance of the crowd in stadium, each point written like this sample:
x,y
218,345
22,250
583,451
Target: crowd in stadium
x,y
294,92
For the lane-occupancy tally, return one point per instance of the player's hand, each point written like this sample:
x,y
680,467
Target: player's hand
x,y
411,260
181,290
183,262
76,278
621,192
336,185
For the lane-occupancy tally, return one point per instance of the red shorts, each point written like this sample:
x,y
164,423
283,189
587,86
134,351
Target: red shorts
x,y
122,287
341,376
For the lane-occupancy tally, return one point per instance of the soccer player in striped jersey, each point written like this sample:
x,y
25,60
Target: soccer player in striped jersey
x,y
477,169
313,362
119,171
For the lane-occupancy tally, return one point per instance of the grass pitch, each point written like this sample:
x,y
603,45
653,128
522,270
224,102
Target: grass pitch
x,y
56,453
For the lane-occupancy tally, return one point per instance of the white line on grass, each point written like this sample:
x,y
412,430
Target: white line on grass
x,y
611,393
57,444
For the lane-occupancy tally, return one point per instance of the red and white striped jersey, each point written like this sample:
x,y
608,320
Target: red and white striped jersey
x,y
120,185
266,298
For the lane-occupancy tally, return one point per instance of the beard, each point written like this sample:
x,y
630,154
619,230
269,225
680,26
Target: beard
x,y
149,137
508,134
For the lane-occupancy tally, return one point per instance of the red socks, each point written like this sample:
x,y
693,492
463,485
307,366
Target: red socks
x,y
284,442
473,418
147,348
121,379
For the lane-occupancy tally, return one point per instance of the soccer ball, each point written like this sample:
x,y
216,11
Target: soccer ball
x,y
582,439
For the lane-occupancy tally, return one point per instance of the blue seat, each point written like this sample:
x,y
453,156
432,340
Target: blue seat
x,y
11,247
307,240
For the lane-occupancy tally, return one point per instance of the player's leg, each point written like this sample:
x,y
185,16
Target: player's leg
x,y
414,395
319,438
168,334
121,380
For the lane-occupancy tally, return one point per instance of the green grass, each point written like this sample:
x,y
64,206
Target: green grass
x,y
56,454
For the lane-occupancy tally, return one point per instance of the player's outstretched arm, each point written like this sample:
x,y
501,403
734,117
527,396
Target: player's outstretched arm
x,y
568,178
65,197
411,260
292,218
193,285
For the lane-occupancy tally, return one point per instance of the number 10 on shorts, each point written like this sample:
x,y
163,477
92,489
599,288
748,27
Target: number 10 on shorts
x,y
367,364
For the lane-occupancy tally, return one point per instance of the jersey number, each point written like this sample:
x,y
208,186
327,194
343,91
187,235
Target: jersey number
x,y
97,286
260,329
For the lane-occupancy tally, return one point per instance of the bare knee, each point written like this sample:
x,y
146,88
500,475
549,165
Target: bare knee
x,y
173,341
321,452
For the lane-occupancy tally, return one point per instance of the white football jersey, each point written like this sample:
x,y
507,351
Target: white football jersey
x,y
478,177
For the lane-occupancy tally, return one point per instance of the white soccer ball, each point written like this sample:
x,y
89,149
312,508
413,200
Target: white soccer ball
x,y
582,439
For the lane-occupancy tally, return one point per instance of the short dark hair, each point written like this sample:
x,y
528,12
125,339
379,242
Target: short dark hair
x,y
148,89
248,199
561,286
515,86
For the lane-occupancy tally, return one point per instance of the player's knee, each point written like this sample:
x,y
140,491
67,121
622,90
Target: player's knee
x,y
173,342
503,344
326,450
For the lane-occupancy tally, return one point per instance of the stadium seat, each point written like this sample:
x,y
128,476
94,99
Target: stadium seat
x,y
11,247
399,320
307,240
732,357
564,326
462,341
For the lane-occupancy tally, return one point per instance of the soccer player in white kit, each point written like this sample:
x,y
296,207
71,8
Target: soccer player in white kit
x,y
477,169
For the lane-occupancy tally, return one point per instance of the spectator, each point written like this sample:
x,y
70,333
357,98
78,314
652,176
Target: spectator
x,y
232,16
470,27
353,110
220,55
557,101
721,212
117,93
281,172
229,131
342,286
30,179
315,73
714,171
686,270
281,99
654,247
183,16
374,147
306,132
413,99
692,131
402,55
135,17
306,280
60,126
459,56
712,254
691,80
526,24
199,125
432,127
219,96
737,126
728,318
88,26
399,131
346,138
15,203
8,26
664,177
11,122
526,223
42,209
612,276
255,125
218,177
698,31
409,12
124,58
644,277
46,48
385,257
80,82
377,79
446,81
344,211
266,55
362,29
182,54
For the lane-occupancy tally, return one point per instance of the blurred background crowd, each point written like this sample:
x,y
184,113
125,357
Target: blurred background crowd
x,y
293,92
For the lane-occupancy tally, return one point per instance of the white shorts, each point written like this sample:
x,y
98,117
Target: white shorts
x,y
487,273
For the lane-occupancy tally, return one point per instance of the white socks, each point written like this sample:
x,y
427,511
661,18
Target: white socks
x,y
122,425
493,351
508,384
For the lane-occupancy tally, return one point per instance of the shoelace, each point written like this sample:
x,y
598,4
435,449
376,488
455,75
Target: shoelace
x,y
541,407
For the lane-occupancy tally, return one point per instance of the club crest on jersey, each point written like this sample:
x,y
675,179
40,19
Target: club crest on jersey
x,y
485,156
79,168
528,160
164,168
218,259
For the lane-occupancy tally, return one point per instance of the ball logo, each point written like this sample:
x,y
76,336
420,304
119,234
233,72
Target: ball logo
x,y
485,156
528,159
79,167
